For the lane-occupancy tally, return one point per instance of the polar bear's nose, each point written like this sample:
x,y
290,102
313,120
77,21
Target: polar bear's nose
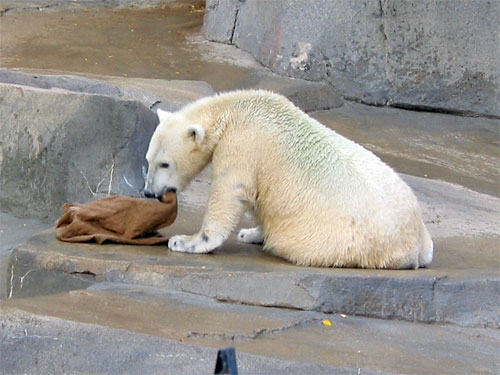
x,y
148,194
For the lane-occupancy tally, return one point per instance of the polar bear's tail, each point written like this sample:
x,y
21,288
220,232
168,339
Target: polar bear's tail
x,y
426,248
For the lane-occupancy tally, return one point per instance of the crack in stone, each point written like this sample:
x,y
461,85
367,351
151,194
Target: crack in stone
x,y
432,303
4,11
11,280
419,108
382,16
21,279
259,304
254,335
234,26
86,272
383,31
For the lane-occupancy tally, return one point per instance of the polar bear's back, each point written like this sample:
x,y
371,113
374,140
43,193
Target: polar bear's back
x,y
314,152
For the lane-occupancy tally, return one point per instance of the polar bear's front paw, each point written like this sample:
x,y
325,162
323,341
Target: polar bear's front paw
x,y
186,244
251,235
181,243
192,244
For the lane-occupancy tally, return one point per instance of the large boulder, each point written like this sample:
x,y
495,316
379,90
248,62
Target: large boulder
x,y
59,146
440,55
69,138
153,93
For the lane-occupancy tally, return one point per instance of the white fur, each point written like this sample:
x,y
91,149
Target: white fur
x,y
251,235
322,199
162,115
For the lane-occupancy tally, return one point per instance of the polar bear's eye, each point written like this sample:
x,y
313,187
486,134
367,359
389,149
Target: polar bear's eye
x,y
164,165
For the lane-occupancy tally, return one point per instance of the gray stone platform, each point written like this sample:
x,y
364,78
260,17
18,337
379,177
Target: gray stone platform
x,y
453,290
461,287
114,328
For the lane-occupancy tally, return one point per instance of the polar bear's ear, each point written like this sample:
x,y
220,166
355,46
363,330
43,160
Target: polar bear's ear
x,y
162,115
196,133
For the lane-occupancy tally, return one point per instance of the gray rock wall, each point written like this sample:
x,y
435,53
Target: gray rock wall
x,y
67,138
440,55
59,146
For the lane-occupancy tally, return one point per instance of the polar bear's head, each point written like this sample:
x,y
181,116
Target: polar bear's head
x,y
175,154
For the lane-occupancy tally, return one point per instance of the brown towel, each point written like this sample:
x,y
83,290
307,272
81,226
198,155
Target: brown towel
x,y
117,218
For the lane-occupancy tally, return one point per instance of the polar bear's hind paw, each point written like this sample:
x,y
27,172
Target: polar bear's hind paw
x,y
251,235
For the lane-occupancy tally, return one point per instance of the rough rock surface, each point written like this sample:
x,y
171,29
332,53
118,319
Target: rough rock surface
x,y
89,137
402,53
113,328
462,286
47,345
60,146
153,93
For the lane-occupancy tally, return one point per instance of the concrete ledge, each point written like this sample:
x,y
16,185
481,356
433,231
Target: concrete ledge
x,y
33,343
76,138
243,274
101,328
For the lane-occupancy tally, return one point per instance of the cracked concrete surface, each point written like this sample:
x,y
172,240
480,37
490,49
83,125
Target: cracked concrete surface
x,y
65,346
348,343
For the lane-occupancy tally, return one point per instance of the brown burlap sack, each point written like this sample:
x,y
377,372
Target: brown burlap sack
x,y
119,219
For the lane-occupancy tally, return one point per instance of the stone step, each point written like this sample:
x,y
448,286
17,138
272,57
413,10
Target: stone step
x,y
241,273
40,344
109,326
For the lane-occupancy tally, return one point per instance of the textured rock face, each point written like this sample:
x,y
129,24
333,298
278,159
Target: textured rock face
x,y
67,138
437,55
60,146
129,329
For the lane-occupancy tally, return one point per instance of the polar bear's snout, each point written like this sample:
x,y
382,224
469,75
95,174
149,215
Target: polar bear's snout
x,y
149,194
161,178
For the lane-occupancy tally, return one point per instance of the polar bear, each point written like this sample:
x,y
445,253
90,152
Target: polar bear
x,y
321,199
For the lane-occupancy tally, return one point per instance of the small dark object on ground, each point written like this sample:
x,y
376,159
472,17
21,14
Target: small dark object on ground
x,y
226,362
